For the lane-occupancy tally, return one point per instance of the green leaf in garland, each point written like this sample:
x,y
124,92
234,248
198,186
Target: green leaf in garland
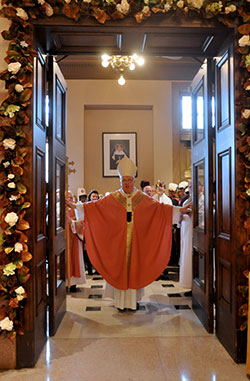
x,y
25,205
8,250
13,54
20,133
25,95
22,151
22,118
21,188
1,239
23,277
7,35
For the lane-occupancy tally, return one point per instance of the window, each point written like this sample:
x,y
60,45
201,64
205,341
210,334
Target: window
x,y
186,112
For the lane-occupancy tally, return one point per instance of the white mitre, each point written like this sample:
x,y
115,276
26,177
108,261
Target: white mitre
x,y
126,167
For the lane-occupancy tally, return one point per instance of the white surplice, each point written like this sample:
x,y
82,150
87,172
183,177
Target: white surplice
x,y
163,199
186,249
82,279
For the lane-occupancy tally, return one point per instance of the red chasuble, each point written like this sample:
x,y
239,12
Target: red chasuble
x,y
106,239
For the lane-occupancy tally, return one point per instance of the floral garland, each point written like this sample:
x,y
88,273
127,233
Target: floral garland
x,y
14,119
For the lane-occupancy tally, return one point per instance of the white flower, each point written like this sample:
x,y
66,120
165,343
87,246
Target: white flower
x,y
167,7
14,67
19,291
11,218
6,164
49,10
180,4
11,185
146,2
67,1
6,324
196,3
231,8
24,44
9,143
13,197
20,12
11,176
123,7
18,247
145,9
248,192
244,40
87,1
9,269
19,88
246,113
41,2
248,87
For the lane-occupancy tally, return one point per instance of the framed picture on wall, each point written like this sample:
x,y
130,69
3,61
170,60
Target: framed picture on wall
x,y
115,146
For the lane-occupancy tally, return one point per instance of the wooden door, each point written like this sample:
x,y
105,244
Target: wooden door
x,y
229,226
31,343
56,193
202,182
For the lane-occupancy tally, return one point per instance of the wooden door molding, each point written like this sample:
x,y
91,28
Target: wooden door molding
x,y
31,343
202,183
230,232
56,195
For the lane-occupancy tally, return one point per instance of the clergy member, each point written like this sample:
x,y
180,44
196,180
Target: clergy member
x,y
128,238
75,269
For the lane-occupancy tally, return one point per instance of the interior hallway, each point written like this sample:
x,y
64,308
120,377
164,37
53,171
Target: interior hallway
x,y
162,341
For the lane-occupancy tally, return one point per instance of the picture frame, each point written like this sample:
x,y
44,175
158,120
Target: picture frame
x,y
116,145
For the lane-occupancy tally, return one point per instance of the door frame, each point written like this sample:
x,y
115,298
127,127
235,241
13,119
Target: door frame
x,y
241,264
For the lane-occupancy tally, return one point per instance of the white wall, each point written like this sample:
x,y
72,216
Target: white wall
x,y
157,94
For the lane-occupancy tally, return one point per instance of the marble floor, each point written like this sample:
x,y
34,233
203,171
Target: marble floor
x,y
162,341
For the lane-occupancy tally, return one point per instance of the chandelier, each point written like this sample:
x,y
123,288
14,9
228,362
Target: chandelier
x,y
121,64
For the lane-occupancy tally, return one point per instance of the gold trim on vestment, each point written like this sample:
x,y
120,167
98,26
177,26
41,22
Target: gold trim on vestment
x,y
135,202
130,226
120,198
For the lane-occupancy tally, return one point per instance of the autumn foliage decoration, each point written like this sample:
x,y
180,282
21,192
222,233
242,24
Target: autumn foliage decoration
x,y
14,121
14,118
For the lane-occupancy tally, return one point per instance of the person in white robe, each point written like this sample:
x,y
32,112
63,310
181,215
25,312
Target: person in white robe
x,y
160,193
186,248
75,268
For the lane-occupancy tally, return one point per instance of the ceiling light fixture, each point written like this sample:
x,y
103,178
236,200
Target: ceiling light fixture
x,y
122,63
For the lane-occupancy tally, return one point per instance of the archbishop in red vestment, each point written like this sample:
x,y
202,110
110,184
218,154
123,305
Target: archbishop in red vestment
x,y
128,257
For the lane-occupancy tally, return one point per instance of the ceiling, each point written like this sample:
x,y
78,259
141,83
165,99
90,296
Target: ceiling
x,y
170,53
154,68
